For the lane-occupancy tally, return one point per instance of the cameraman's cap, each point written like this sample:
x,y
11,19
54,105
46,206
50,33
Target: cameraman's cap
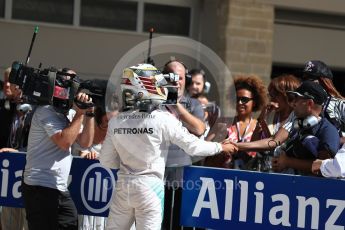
x,y
311,90
317,69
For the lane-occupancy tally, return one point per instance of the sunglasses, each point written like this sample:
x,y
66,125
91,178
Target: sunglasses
x,y
243,100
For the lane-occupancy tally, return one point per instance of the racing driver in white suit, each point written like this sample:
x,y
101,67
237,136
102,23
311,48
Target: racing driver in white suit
x,y
137,144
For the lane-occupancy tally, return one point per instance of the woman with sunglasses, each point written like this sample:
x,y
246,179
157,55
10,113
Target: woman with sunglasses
x,y
251,97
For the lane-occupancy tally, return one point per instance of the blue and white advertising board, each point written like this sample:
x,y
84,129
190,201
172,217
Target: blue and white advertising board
x,y
231,199
12,165
212,198
91,186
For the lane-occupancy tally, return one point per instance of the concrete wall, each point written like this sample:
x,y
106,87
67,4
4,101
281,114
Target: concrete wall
x,y
297,44
93,53
241,32
326,6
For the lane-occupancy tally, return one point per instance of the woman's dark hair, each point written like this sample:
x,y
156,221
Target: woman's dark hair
x,y
284,83
327,85
256,86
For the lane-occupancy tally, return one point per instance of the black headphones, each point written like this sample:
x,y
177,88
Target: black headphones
x,y
306,123
206,85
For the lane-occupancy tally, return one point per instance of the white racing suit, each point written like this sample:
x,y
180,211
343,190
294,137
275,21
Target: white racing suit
x,y
138,147
334,167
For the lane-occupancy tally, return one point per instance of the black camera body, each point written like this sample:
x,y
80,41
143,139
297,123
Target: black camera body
x,y
38,86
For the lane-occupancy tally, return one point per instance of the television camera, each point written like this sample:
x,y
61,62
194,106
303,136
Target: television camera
x,y
52,86
42,87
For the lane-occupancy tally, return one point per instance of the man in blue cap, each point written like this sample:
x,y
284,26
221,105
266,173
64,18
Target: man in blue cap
x,y
312,135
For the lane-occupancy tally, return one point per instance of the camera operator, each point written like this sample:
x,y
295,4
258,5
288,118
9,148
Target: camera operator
x,y
312,136
47,201
190,112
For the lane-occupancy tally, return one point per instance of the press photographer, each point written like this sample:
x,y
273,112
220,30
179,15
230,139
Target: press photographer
x,y
312,136
55,127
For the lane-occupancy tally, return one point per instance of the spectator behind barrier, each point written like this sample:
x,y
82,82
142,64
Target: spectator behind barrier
x,y
278,109
273,116
333,109
7,108
312,136
251,96
15,125
101,125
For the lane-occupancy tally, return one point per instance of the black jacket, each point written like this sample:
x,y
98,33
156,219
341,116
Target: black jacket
x,y
7,111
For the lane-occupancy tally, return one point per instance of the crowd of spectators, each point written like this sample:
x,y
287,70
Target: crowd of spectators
x,y
294,126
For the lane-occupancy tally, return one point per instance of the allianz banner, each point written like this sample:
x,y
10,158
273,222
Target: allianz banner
x,y
231,199
91,186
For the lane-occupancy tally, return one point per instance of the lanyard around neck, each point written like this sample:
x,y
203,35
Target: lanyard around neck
x,y
241,138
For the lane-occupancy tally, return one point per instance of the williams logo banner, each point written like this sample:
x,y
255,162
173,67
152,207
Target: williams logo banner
x,y
231,199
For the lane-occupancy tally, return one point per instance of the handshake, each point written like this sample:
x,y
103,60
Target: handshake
x,y
229,148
